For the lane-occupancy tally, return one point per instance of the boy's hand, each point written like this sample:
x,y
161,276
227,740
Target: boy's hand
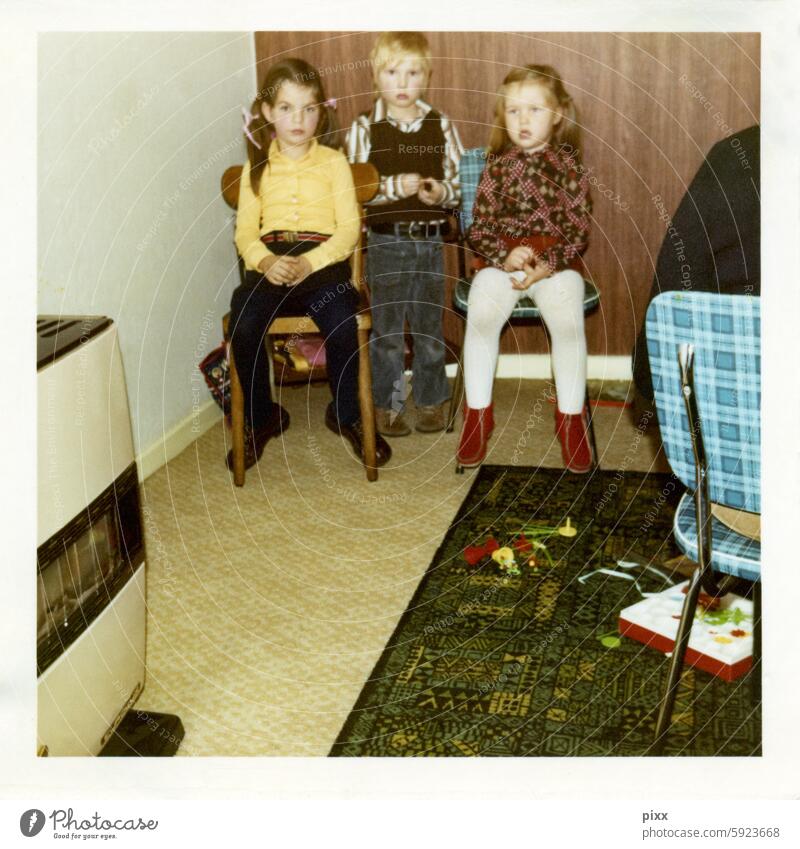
x,y
431,192
518,258
409,184
533,274
279,270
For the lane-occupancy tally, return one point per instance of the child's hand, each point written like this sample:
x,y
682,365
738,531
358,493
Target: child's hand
x,y
302,268
533,274
518,258
431,192
279,270
409,184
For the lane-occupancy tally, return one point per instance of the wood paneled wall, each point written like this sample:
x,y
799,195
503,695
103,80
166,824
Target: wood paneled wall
x,y
650,106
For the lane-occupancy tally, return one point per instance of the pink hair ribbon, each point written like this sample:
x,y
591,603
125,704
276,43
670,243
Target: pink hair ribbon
x,y
248,119
331,101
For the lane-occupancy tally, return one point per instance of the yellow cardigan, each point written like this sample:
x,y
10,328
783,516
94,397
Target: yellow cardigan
x,y
312,194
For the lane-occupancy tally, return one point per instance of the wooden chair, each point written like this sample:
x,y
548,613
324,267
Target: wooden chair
x,y
366,180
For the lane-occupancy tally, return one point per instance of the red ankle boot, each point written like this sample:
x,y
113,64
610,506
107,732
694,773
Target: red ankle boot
x,y
475,432
573,434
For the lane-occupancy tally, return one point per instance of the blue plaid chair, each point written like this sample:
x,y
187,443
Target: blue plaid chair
x,y
705,360
470,171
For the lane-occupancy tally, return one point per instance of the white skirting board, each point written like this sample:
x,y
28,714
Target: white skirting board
x,y
537,367
180,437
512,366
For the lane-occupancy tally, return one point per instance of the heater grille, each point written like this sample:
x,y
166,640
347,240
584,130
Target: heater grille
x,y
83,567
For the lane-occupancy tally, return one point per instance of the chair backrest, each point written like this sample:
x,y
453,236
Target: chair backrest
x,y
725,331
366,180
469,174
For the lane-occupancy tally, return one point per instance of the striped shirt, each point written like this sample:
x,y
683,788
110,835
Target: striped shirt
x,y
359,145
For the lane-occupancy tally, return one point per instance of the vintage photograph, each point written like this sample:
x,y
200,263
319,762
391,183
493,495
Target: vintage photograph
x,y
399,394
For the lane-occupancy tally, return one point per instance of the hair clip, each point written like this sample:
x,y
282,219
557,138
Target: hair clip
x,y
331,102
248,119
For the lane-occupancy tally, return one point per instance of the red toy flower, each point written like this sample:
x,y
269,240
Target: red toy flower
x,y
473,554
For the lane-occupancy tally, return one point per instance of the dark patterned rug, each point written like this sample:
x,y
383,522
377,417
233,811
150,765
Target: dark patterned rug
x,y
485,663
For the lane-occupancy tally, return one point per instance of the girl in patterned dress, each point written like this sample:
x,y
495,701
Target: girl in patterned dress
x,y
530,226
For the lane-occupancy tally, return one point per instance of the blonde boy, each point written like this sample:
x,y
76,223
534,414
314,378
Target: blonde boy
x,y
416,151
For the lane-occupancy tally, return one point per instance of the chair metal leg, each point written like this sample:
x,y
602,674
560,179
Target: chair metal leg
x,y
237,420
366,404
676,665
590,428
455,398
755,670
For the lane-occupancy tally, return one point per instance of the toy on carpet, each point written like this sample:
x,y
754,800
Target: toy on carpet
x,y
527,541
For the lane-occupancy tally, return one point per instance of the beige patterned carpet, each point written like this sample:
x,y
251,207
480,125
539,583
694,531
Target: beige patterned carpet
x,y
270,604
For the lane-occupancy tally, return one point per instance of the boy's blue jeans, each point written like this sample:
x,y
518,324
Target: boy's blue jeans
x,y
406,280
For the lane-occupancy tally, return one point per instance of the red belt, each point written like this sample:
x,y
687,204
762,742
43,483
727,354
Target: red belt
x,y
540,242
291,236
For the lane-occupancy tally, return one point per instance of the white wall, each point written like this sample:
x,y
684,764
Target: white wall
x,y
134,132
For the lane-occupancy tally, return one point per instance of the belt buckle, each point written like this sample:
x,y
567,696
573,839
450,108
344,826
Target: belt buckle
x,y
412,228
289,236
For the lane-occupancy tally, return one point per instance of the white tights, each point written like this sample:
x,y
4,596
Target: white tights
x,y
560,301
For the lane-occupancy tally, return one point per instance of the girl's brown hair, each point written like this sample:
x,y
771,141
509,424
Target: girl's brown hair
x,y
566,133
296,71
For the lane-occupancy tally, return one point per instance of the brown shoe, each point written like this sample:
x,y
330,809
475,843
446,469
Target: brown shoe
x,y
354,434
255,440
390,423
431,419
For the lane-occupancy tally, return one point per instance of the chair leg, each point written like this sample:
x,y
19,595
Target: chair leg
x,y
755,670
455,398
237,420
366,404
676,665
590,427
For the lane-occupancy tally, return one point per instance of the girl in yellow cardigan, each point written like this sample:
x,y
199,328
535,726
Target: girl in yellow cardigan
x,y
297,223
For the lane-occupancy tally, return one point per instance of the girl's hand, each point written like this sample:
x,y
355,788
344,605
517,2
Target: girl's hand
x,y
532,275
431,192
279,270
302,268
518,258
409,184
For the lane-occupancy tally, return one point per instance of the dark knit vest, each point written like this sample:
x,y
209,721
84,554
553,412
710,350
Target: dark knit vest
x,y
394,152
